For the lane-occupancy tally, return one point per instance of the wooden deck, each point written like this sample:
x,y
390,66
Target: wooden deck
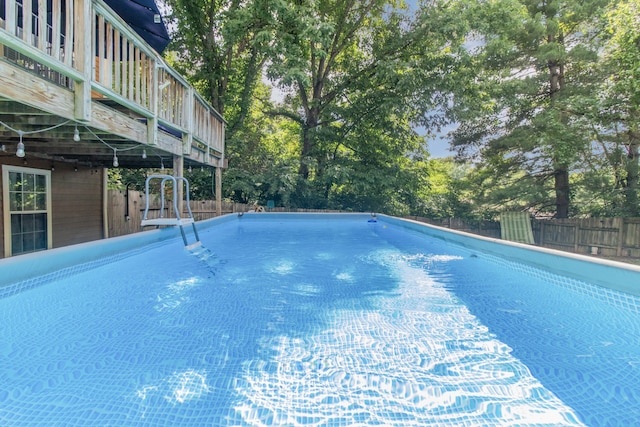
x,y
75,64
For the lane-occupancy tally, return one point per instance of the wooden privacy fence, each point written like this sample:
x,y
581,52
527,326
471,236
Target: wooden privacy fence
x,y
482,228
126,208
608,237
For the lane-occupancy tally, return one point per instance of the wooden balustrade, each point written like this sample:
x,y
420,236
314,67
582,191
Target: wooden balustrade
x,y
109,63
173,99
48,37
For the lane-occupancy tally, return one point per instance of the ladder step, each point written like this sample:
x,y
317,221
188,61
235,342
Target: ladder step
x,y
193,246
203,253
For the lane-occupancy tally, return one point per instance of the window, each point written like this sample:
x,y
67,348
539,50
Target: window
x,y
27,209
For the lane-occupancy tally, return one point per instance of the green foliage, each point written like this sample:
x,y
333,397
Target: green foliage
x,y
545,96
447,193
622,94
120,179
519,113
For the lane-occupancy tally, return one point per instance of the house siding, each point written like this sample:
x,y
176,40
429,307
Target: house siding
x,y
76,199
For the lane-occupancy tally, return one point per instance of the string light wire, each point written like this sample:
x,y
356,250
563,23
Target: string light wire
x,y
21,133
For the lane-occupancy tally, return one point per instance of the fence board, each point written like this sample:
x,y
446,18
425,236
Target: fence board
x,y
612,237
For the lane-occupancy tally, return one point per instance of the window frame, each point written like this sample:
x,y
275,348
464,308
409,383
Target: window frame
x,y
6,205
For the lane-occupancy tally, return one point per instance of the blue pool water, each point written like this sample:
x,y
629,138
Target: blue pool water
x,y
318,322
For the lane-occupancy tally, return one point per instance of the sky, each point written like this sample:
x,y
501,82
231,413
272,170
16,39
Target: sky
x,y
438,145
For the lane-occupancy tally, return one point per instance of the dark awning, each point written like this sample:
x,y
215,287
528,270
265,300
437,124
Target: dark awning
x,y
143,16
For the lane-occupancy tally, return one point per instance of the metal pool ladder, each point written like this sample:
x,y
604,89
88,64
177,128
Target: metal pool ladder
x,y
178,220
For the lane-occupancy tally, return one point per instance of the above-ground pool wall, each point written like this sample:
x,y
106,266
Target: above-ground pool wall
x,y
37,264
613,275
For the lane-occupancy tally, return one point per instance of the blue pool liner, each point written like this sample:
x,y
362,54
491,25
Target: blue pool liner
x,y
609,274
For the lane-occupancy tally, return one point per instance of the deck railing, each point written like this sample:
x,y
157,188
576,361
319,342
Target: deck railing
x,y
94,52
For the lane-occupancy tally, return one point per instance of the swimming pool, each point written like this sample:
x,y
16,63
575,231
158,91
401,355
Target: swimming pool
x,y
314,320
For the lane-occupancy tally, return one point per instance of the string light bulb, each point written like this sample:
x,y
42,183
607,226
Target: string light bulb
x,y
20,148
144,153
115,159
76,134
161,164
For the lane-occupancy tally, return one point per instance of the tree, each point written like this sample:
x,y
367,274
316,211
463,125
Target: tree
x,y
263,158
220,45
622,93
448,193
358,75
319,53
517,108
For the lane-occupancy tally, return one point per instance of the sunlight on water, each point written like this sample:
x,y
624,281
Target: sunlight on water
x,y
417,359
325,256
282,267
179,387
175,294
347,277
189,385
306,289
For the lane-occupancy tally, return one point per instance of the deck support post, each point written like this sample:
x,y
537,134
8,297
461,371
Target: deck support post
x,y
82,36
218,172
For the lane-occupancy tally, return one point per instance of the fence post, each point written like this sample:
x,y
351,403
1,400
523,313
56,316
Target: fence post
x,y
620,235
576,237
218,180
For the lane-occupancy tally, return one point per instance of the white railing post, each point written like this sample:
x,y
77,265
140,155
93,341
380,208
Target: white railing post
x,y
27,25
187,139
42,25
152,122
56,29
11,17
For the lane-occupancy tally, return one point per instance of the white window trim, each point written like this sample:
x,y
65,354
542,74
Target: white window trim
x,y
5,204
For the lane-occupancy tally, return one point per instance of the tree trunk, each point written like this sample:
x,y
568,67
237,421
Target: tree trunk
x,y
303,170
561,177
561,171
308,139
631,189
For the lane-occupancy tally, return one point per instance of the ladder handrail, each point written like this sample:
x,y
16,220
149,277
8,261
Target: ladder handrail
x,y
164,179
178,221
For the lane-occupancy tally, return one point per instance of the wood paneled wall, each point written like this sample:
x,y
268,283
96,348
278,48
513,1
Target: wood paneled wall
x,y
76,198
77,205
